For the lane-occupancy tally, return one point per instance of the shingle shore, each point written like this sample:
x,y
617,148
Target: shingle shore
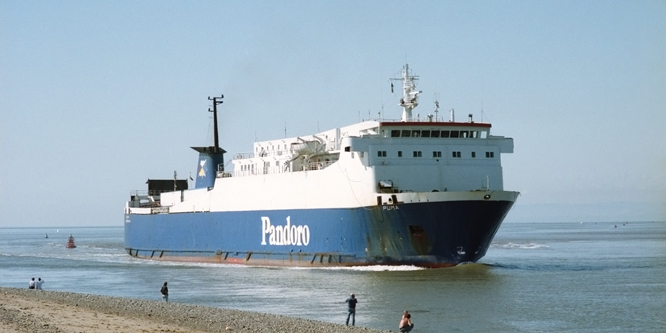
x,y
183,316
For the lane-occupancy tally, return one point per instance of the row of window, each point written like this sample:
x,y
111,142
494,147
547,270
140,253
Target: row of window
x,y
250,167
436,134
418,153
382,153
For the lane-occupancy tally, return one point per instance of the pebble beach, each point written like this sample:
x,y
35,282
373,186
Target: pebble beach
x,y
24,310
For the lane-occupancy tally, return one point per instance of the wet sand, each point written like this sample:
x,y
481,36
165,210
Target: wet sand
x,y
24,310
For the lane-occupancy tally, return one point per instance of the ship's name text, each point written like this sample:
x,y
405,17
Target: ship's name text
x,y
284,234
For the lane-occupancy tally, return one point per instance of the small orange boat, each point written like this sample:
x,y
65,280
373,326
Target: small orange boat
x,y
70,242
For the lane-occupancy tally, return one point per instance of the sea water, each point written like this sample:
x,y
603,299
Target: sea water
x,y
536,277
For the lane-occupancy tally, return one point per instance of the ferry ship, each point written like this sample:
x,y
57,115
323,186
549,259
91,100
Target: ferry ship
x,y
423,192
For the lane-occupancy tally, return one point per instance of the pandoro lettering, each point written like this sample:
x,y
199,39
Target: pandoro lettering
x,y
284,234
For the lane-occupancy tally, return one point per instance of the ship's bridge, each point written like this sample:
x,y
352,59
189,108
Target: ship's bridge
x,y
434,130
447,156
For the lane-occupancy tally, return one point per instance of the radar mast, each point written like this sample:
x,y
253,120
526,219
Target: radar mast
x,y
409,99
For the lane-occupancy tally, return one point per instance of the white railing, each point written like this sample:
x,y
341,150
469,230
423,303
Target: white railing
x,y
270,170
266,153
315,166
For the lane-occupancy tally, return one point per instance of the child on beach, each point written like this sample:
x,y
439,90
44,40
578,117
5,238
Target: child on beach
x,y
406,324
38,284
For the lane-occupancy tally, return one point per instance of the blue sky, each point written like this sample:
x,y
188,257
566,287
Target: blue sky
x,y
96,97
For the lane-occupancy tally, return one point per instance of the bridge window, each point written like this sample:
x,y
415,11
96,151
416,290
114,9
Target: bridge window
x,y
406,133
445,134
395,133
455,134
456,154
434,134
425,134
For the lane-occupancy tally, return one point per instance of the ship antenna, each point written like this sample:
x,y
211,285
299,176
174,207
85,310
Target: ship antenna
x,y
481,110
436,106
409,98
216,102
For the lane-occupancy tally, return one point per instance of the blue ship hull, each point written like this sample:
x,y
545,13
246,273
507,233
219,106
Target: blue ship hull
x,y
430,234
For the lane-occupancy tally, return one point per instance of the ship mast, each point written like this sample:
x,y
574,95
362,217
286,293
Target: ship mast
x,y
211,158
409,98
216,102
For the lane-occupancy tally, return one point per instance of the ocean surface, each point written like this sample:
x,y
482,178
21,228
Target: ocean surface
x,y
540,277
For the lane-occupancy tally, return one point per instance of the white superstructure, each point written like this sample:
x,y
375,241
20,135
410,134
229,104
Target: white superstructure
x,y
348,166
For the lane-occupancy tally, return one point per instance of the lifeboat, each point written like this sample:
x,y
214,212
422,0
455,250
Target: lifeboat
x,y
70,242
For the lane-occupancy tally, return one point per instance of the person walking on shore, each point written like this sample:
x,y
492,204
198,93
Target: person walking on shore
x,y
165,292
351,309
38,284
31,284
406,324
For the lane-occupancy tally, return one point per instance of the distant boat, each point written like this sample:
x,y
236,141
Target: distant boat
x,y
70,242
46,236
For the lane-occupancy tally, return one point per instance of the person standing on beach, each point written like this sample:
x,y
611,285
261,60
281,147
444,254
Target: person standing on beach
x,y
351,307
38,284
165,292
406,324
31,284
